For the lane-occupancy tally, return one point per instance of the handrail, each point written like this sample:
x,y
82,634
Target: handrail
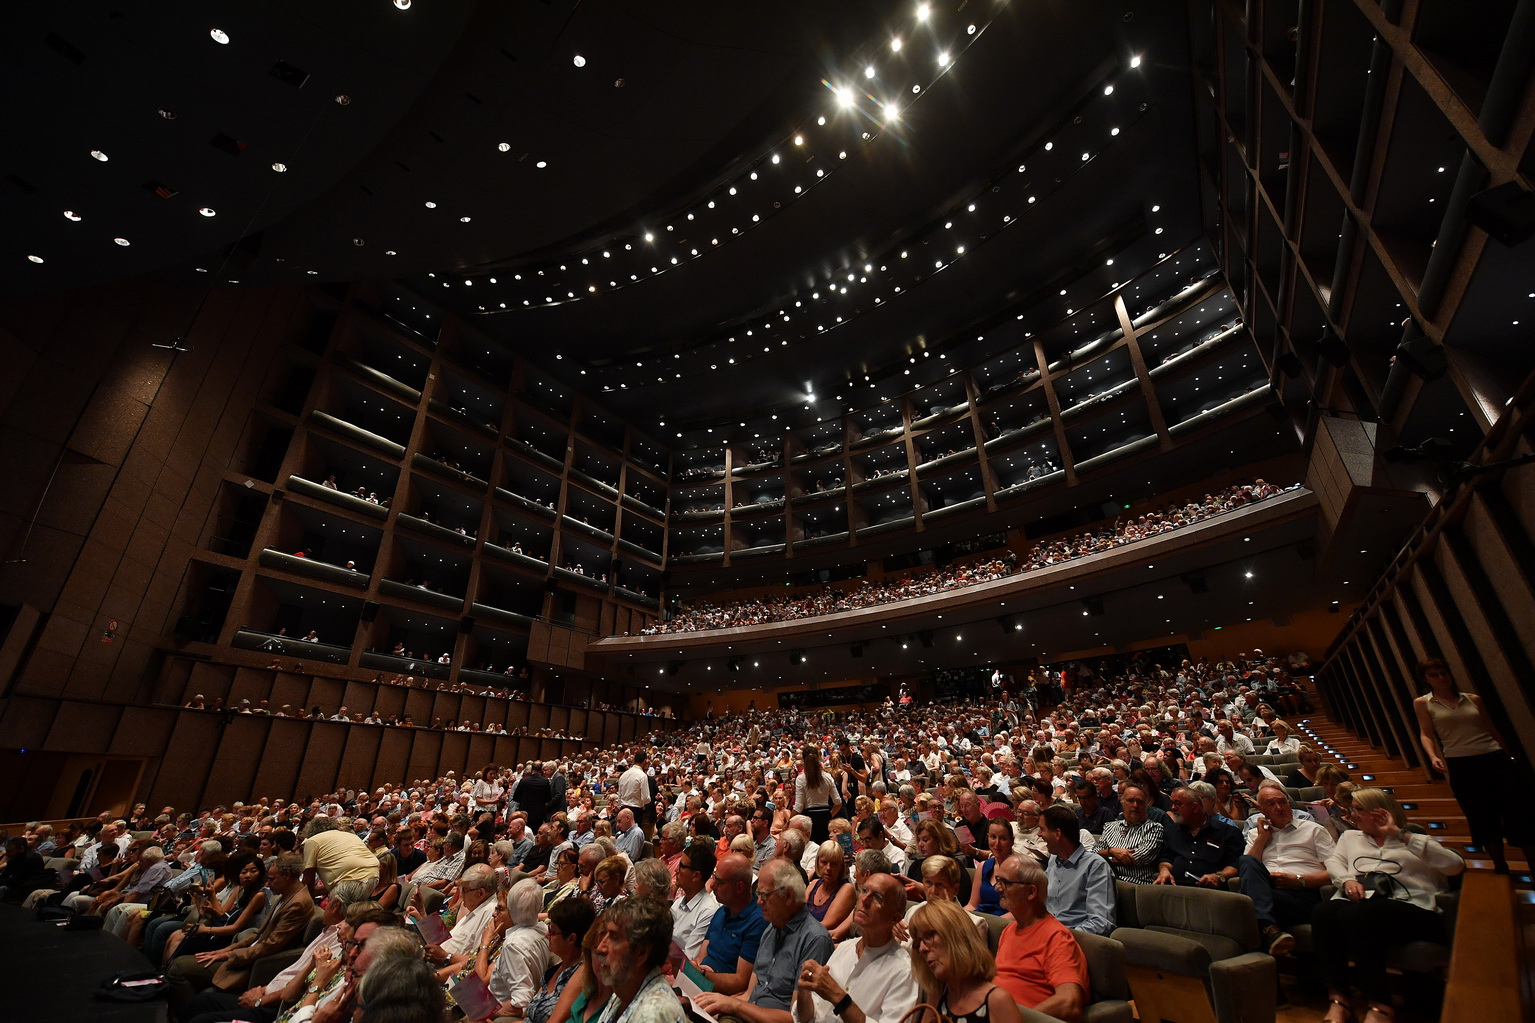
x,y
1486,980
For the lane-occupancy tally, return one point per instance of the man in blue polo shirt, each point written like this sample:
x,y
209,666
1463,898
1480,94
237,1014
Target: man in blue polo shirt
x,y
735,933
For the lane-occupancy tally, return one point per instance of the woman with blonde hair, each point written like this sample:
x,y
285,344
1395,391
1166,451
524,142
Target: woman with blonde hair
x,y
1387,881
955,970
830,896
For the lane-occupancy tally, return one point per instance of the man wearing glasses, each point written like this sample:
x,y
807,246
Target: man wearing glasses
x,y
1039,963
735,933
792,939
694,909
1026,835
865,981
1197,850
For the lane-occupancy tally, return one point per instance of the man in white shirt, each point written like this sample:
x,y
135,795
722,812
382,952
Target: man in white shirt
x,y
524,955
634,787
1284,868
872,834
865,981
895,828
477,893
1230,739
693,910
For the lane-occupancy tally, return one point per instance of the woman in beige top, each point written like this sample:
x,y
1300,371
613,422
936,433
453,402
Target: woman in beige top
x,y
1461,740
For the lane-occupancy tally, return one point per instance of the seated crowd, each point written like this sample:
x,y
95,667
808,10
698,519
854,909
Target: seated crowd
x,y
830,600
770,867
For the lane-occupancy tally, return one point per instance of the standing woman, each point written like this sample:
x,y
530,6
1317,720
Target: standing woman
x,y
1461,741
815,794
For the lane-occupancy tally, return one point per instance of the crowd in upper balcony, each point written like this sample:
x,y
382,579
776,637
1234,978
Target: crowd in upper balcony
x,y
829,600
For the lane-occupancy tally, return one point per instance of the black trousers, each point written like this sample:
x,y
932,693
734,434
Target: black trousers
x,y
1483,785
1365,932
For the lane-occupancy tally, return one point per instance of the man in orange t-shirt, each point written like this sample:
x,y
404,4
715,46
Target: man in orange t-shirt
x,y
1038,961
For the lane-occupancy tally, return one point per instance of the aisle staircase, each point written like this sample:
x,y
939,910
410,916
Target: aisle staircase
x,y
1486,985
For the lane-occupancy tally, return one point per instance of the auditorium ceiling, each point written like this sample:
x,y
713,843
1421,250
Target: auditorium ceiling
x,y
768,200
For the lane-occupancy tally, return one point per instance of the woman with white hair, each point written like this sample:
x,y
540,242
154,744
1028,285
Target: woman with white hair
x,y
514,971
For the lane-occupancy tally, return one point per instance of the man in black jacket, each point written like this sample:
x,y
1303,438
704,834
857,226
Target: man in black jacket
x,y
532,793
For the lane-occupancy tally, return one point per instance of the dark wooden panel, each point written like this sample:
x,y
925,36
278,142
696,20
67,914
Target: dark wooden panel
x,y
279,771
360,757
322,758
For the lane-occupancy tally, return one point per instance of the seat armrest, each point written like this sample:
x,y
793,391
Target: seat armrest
x,y
1244,988
267,967
1158,950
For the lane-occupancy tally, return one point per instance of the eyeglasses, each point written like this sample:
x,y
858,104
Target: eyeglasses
x,y
763,894
1001,883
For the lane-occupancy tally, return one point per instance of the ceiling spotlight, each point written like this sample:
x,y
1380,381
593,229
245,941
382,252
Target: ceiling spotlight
x,y
72,215
207,211
97,154
923,10
868,72
169,115
776,158
799,140
895,44
342,99
1108,90
35,259
121,241
845,96
403,5
280,167
463,220
431,205
1135,61
649,237
892,112
505,147
943,59
541,164
578,60
219,36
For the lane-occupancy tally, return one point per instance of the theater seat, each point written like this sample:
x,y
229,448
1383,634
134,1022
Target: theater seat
x,y
1194,957
1108,988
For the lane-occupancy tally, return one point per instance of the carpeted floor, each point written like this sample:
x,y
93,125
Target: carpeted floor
x,y
47,972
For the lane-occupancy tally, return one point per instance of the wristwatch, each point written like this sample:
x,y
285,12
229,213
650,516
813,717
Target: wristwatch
x,y
842,1003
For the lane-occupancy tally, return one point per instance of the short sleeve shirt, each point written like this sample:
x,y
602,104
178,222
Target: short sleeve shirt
x,y
734,937
340,856
1034,962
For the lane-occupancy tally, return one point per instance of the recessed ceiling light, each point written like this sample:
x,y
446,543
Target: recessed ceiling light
x,y
505,147
121,241
541,164
280,167
72,215
463,220
578,60
207,211
97,154
1135,61
35,259
343,100
431,205
219,36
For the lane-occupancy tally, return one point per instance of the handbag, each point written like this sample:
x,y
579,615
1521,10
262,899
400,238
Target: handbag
x,y
1384,885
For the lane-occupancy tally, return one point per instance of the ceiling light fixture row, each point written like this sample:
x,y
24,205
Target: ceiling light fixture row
x,y
798,147
829,299
828,416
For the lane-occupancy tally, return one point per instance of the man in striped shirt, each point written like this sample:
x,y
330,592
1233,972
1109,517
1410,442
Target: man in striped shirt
x,y
1131,842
